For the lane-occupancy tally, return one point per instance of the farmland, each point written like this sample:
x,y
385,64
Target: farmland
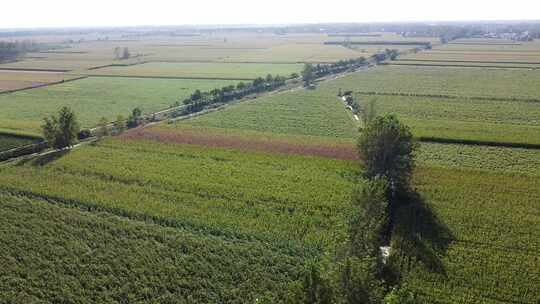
x,y
96,97
15,80
88,257
230,204
10,141
491,256
213,190
248,140
201,70
302,112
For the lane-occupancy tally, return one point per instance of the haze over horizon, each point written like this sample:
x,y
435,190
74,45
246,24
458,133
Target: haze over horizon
x,y
101,13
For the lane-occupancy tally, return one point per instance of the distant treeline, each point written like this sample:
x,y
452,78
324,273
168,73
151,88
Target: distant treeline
x,y
423,43
12,50
199,101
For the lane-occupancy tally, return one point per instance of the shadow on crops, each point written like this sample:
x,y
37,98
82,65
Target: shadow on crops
x,y
419,237
43,159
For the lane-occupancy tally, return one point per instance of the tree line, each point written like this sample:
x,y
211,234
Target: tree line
x,y
13,50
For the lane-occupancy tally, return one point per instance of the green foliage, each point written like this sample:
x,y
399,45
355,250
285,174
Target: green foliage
x,y
369,218
120,124
400,295
308,74
135,118
314,286
61,131
102,128
359,281
386,147
368,111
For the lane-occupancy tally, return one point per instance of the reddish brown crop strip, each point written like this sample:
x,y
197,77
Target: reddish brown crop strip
x,y
338,150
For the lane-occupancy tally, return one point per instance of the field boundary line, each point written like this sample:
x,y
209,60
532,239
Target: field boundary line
x,y
44,85
467,61
170,77
471,142
485,98
458,66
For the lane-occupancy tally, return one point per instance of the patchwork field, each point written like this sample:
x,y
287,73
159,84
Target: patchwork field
x,y
492,105
96,97
215,191
201,70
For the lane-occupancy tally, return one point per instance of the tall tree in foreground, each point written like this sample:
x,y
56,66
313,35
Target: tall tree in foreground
x,y
386,147
61,131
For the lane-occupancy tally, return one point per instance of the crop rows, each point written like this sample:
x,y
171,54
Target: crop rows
x,y
489,254
50,253
302,112
225,192
493,159
463,82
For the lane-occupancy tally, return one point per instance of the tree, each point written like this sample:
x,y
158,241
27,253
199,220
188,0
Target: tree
x,y
135,119
120,124
308,74
369,218
386,147
103,129
61,131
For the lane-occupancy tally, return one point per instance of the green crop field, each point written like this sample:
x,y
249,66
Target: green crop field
x,y
454,103
303,200
302,112
482,158
462,82
50,253
483,120
96,97
201,70
15,80
491,255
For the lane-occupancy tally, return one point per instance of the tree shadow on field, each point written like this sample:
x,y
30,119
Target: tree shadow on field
x,y
419,237
43,159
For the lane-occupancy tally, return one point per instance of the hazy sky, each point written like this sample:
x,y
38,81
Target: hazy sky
x,y
58,13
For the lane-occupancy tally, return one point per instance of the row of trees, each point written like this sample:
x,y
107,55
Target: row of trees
x,y
12,50
358,275
312,72
200,100
62,130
